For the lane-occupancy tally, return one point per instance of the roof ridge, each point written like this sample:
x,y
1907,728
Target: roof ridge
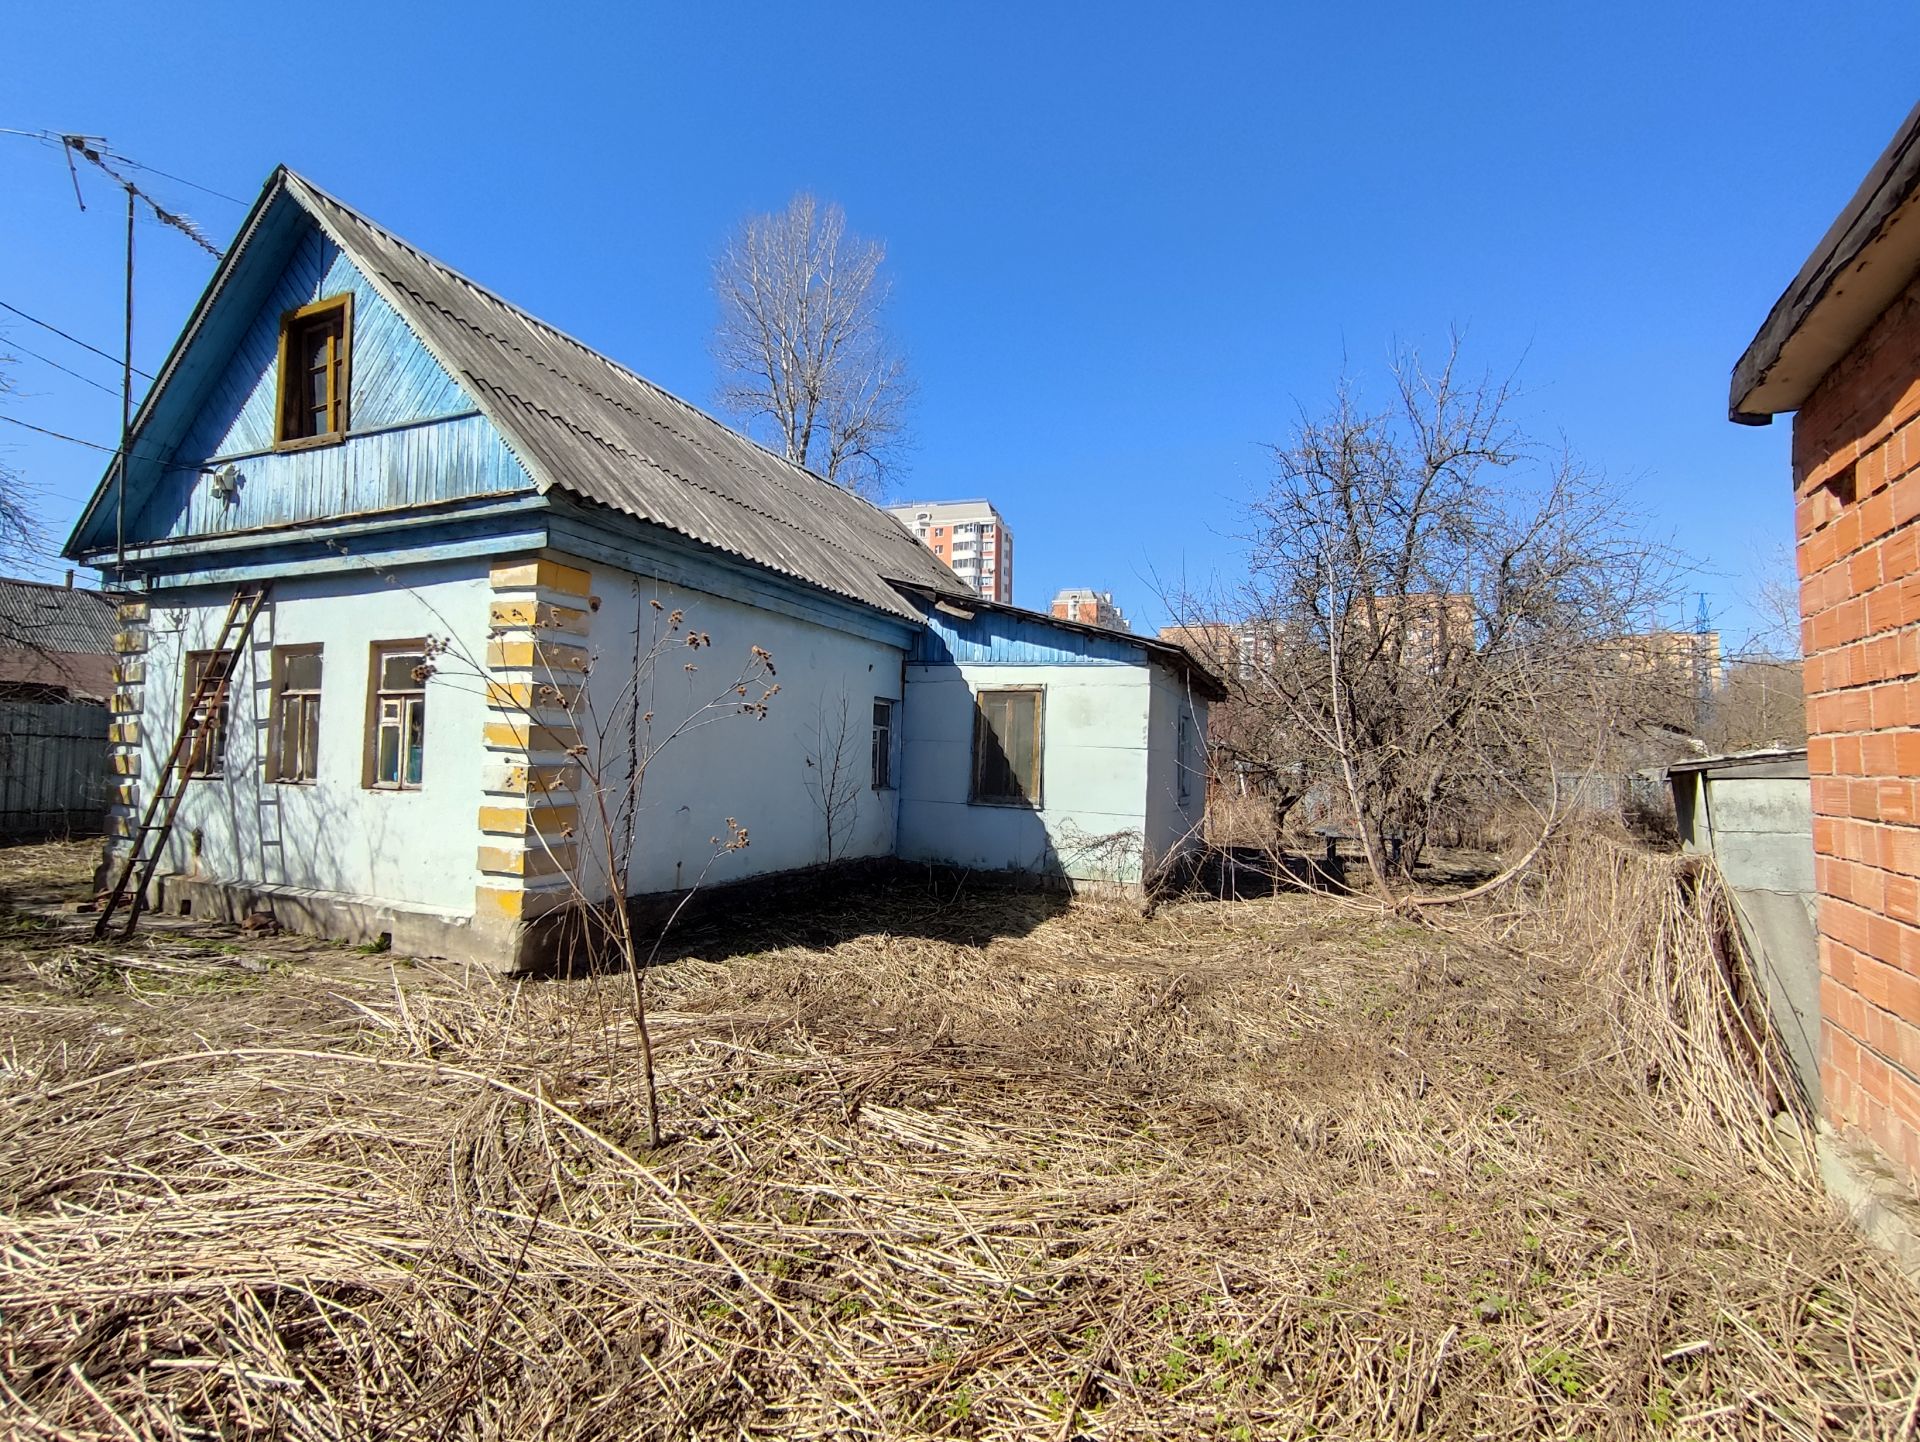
x,y
63,587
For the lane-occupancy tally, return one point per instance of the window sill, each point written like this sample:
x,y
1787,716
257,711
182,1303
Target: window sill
x,y
1006,803
311,443
391,790
293,780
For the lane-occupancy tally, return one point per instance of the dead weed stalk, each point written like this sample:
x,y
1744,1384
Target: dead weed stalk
x,y
976,1166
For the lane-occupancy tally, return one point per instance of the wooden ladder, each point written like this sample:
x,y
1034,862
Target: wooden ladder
x,y
170,786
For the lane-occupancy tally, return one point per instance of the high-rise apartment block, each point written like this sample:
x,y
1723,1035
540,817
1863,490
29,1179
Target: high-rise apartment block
x,y
1090,608
971,537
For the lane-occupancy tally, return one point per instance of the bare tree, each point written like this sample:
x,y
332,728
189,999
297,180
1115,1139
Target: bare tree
x,y
23,546
1439,614
1763,701
802,346
614,746
1774,596
21,541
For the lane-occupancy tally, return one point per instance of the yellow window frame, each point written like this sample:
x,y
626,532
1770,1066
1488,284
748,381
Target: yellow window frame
x,y
336,312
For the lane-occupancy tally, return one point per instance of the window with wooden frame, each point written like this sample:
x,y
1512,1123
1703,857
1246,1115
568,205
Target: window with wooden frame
x,y
316,343
295,756
397,716
206,755
882,744
1007,742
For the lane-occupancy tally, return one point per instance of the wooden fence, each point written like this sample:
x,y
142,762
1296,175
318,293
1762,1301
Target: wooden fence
x,y
54,776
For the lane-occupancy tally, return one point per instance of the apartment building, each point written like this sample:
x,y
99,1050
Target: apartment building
x,y
1090,608
971,537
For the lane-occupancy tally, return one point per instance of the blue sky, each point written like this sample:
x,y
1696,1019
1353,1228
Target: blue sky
x,y
1124,252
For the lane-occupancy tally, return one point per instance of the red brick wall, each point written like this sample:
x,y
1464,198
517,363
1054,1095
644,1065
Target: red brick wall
x,y
1856,467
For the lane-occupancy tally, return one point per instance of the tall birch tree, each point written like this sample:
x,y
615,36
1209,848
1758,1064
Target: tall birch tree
x,y
802,347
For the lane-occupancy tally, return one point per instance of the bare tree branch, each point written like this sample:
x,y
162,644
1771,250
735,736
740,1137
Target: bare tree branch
x,y
802,346
1440,616
21,540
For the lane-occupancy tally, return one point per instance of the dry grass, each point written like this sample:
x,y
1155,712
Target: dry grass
x,y
965,1167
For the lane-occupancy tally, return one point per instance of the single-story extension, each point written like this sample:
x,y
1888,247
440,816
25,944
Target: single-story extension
x,y
473,542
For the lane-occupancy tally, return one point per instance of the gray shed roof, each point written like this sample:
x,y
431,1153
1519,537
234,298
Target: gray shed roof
x,y
65,619
591,427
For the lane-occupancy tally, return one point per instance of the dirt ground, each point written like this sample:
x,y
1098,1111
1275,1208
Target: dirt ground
x,y
940,1161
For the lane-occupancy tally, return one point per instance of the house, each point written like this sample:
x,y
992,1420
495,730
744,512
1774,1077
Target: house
x,y
1841,350
56,642
462,529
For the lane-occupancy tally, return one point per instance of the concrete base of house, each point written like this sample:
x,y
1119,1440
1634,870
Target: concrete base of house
x,y
359,921
1880,1202
547,943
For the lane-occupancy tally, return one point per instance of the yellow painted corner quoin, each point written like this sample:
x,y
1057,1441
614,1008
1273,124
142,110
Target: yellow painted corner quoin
x,y
540,572
553,822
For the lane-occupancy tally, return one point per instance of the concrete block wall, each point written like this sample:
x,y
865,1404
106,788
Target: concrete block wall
x,y
1856,466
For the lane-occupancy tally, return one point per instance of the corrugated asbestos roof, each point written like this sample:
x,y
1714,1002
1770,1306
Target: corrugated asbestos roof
x,y
55,618
589,426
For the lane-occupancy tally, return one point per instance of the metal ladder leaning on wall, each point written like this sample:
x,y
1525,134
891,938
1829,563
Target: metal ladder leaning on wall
x,y
170,785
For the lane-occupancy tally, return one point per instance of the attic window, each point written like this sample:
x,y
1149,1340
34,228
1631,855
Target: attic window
x,y
315,343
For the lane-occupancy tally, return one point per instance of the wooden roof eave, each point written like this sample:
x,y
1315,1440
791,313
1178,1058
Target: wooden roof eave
x,y
1869,255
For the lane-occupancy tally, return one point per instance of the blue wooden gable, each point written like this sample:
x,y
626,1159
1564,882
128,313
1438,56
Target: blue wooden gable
x,y
415,436
395,380
1004,638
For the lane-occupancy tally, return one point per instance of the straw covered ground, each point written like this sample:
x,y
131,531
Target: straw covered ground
x,y
940,1164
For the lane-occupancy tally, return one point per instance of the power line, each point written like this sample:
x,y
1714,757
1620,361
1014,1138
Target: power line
x,y
90,445
48,360
58,436
104,355
182,180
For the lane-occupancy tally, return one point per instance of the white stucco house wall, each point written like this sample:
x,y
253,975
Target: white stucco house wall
x,y
1120,742
493,568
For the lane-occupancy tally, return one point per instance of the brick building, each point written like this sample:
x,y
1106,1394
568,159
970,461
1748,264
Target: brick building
x,y
970,536
1841,350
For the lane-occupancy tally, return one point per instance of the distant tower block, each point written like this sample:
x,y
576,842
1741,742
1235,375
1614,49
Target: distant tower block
x,y
970,536
1090,608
